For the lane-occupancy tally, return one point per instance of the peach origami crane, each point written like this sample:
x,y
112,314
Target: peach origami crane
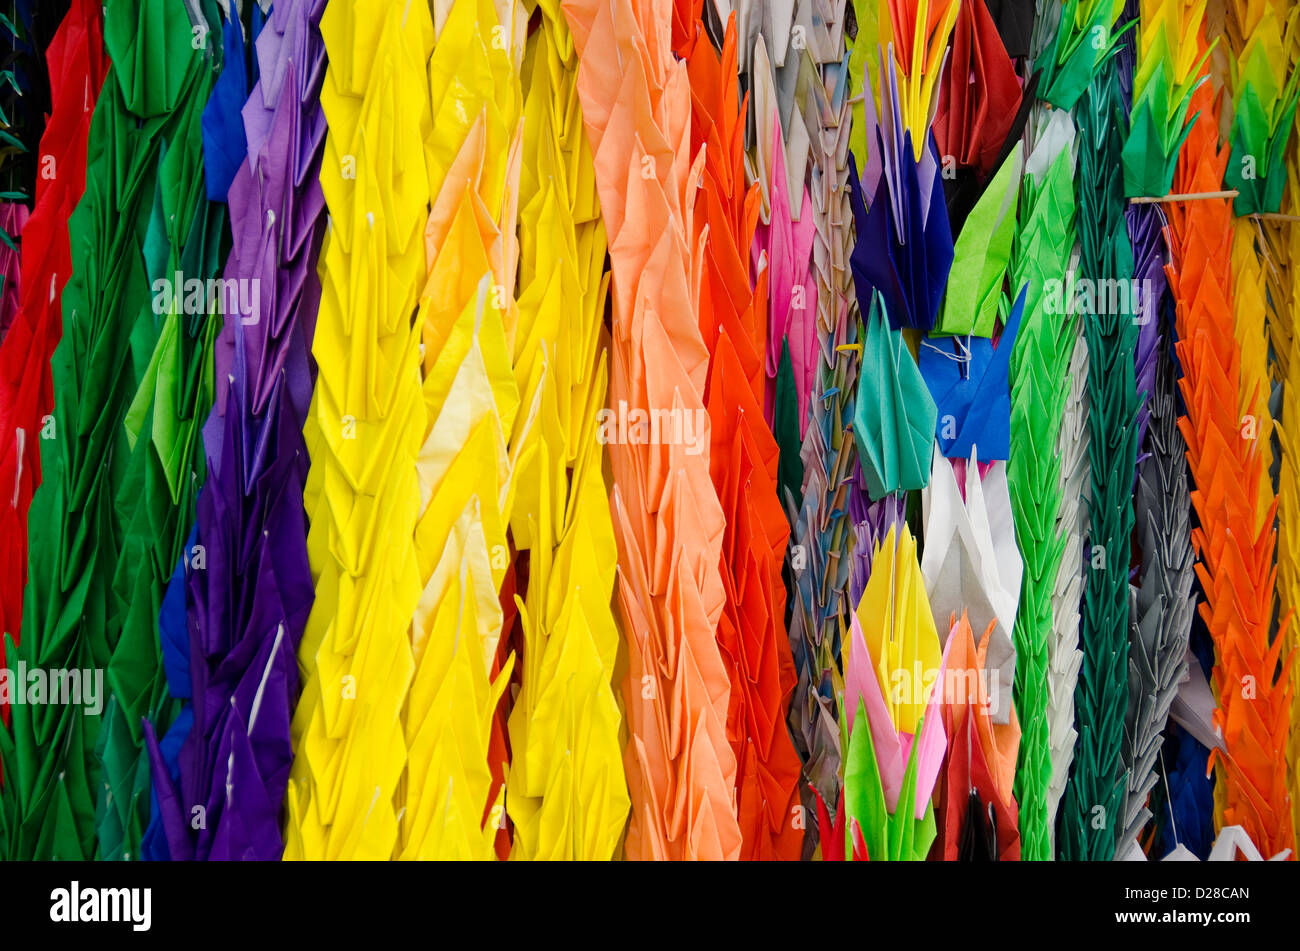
x,y
670,527
364,434
566,792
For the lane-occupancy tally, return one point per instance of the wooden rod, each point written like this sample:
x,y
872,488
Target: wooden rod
x,y
1188,196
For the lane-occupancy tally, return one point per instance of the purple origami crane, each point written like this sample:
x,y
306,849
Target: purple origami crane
x,y
247,604
1145,228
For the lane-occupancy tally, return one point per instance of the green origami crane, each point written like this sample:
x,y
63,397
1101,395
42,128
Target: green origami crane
x,y
895,415
1162,95
1039,385
132,388
1263,120
980,255
1086,39
896,837
1091,812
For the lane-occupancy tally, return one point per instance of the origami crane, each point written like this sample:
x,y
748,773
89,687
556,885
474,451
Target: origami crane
x,y
894,735
566,791
967,377
41,783
667,516
363,433
238,670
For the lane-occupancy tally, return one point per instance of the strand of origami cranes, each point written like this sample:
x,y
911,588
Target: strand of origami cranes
x,y
1255,702
744,459
1047,453
121,468
845,253
33,157
670,524
566,790
1091,808
229,750
799,254
467,462
364,432
1278,244
1161,615
1169,64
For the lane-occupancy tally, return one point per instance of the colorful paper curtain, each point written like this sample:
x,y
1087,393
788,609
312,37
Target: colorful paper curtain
x,y
596,429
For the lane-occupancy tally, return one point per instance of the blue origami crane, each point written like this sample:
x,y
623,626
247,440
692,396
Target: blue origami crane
x,y
968,378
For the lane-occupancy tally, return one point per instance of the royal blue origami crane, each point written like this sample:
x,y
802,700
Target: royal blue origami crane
x,y
967,376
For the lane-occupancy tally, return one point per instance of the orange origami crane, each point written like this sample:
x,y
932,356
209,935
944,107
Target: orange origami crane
x,y
981,754
743,462
670,526
1227,436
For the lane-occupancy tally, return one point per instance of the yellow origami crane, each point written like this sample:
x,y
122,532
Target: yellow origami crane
x,y
454,801
363,433
921,29
898,629
567,793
